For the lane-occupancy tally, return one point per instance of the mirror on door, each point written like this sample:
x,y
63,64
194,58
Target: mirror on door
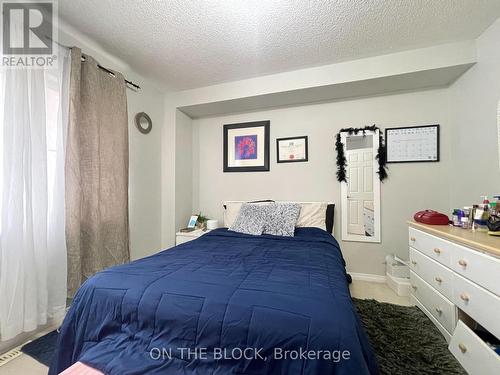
x,y
361,191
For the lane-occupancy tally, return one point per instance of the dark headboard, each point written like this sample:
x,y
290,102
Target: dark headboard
x,y
330,218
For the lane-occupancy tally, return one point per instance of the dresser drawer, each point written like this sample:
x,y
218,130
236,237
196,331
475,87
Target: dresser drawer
x,y
481,305
472,353
442,309
436,275
444,332
434,247
481,268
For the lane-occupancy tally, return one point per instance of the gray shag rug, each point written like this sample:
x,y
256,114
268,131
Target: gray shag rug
x,y
405,340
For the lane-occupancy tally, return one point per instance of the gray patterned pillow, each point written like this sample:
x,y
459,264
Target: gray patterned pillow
x,y
281,219
251,219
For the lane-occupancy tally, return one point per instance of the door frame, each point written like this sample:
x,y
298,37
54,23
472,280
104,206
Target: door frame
x,y
376,195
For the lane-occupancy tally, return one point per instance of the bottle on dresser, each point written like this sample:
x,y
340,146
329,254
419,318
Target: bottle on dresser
x,y
482,215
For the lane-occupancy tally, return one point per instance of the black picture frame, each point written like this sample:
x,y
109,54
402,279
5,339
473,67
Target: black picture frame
x,y
414,127
295,160
254,124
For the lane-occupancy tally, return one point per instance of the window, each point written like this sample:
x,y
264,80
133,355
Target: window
x,y
52,114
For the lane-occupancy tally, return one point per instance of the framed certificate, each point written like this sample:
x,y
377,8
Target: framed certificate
x,y
412,144
291,150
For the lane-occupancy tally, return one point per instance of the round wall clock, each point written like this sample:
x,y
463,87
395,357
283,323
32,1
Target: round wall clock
x,y
143,122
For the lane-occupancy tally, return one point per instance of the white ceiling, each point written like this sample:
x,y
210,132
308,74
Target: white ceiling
x,y
193,43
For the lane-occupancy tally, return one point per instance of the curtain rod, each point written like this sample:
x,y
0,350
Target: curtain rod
x,y
137,87
113,74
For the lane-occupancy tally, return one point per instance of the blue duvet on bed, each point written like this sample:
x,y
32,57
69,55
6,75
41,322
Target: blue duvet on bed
x,y
227,303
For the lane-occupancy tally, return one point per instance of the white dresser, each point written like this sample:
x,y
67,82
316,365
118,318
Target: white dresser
x,y
455,281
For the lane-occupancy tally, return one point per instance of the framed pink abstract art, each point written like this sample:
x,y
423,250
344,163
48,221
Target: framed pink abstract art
x,y
246,147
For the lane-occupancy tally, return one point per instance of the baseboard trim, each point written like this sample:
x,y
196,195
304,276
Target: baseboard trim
x,y
368,277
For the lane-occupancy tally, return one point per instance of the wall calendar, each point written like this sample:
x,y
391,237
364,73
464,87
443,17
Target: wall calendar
x,y
412,144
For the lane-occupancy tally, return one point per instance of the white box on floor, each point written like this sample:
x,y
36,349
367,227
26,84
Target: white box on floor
x,y
395,268
401,286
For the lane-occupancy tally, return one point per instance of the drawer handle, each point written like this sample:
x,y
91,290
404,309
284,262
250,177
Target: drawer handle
x,y
439,311
438,279
413,239
463,263
464,297
414,287
437,250
414,262
462,347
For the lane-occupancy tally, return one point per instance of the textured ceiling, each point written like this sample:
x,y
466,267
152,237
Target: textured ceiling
x,y
193,43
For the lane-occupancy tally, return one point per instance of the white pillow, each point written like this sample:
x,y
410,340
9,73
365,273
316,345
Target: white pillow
x,y
313,215
231,213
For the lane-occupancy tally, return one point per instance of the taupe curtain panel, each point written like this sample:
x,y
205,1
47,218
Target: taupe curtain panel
x,y
97,227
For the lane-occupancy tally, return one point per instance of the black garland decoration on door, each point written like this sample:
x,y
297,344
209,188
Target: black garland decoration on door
x,y
381,152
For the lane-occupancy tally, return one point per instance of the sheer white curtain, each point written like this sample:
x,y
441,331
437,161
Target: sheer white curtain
x,y
33,255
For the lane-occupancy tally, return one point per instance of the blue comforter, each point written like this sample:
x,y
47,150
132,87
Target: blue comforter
x,y
227,303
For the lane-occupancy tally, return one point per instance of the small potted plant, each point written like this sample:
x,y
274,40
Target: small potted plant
x,y
202,222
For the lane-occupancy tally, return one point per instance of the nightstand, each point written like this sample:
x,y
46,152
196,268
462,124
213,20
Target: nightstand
x,y
183,237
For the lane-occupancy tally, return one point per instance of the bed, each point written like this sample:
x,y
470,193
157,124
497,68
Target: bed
x,y
226,303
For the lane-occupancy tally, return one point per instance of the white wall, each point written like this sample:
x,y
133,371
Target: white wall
x,y
144,150
474,99
183,169
410,187
145,174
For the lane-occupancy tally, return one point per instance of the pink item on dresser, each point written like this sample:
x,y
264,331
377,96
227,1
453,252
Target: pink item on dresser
x,y
80,369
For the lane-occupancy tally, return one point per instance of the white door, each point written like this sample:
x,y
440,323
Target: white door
x,y
359,191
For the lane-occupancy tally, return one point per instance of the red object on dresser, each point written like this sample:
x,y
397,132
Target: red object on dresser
x,y
431,217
